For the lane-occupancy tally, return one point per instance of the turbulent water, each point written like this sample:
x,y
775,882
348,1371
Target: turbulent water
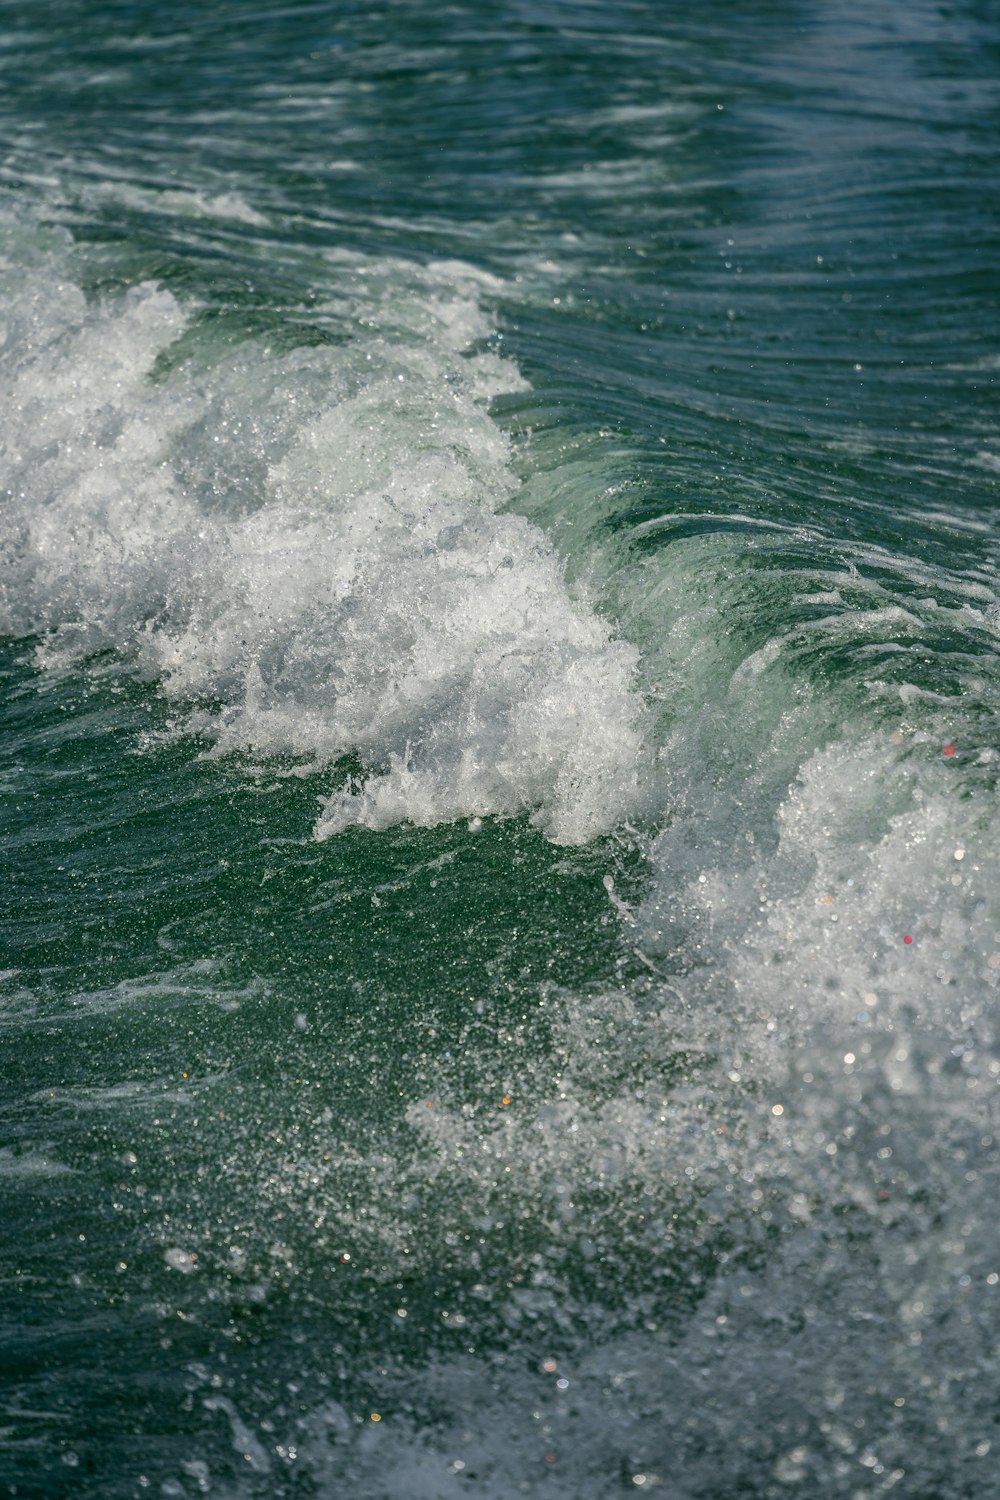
x,y
498,636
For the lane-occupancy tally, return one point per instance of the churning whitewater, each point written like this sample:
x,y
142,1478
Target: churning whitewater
x,y
309,541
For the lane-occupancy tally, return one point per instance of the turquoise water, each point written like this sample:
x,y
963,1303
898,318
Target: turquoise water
x,y
499,608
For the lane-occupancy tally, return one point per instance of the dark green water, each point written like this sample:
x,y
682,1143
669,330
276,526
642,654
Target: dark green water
x,y
499,609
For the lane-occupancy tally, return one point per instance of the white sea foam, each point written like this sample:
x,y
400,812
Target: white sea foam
x,y
773,1146
176,202
310,540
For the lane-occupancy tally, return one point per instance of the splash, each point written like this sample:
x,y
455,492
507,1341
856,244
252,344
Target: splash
x,y
307,549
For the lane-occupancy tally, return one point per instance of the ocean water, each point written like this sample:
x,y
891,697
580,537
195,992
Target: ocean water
x,y
499,689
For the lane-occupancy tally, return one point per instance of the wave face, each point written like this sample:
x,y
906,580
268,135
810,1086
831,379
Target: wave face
x,y
498,750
